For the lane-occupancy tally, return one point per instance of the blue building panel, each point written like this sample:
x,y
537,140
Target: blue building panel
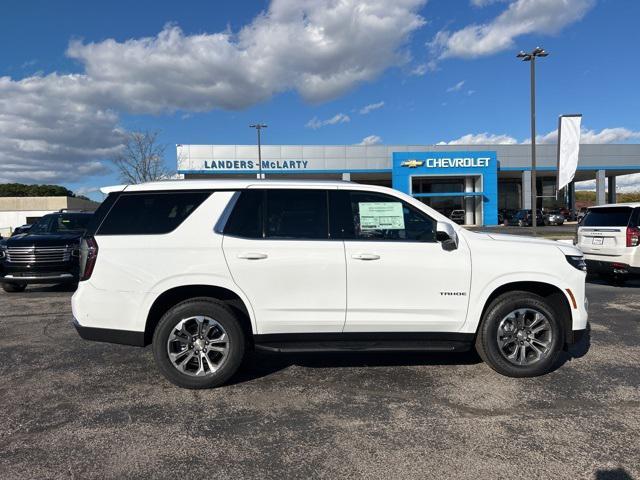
x,y
407,165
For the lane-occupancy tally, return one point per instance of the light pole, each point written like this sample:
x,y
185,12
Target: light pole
x,y
258,127
531,57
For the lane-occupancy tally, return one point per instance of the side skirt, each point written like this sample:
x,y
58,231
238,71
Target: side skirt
x,y
366,342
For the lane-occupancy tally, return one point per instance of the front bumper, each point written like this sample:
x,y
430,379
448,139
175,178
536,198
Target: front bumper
x,y
123,337
36,277
64,272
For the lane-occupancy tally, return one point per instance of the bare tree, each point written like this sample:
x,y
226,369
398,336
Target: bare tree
x,y
141,158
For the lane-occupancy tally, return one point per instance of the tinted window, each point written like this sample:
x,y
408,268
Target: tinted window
x,y
382,217
635,218
62,223
607,217
246,219
100,213
296,214
150,213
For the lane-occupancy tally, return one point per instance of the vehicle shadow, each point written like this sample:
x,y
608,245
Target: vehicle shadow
x,y
262,364
633,282
59,287
577,350
613,474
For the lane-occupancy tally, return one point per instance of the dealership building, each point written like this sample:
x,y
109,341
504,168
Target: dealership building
x,y
479,179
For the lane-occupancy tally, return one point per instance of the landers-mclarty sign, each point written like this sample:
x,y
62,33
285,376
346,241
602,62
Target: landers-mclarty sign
x,y
253,165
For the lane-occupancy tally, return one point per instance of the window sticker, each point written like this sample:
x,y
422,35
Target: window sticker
x,y
381,216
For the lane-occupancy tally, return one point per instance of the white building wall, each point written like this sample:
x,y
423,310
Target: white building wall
x,y
11,220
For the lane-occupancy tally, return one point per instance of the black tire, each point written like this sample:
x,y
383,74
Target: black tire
x,y
14,287
222,314
487,343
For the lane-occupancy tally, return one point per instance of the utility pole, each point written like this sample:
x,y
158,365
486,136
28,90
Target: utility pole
x,y
258,127
531,57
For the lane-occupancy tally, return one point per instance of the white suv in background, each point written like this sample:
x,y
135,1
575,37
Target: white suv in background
x,y
609,236
205,270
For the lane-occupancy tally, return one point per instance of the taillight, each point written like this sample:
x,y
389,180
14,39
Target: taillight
x,y
88,257
633,236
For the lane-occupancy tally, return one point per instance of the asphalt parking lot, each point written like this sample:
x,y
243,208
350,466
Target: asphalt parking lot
x,y
77,409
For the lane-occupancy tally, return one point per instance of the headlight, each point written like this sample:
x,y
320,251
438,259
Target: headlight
x,y
577,261
3,249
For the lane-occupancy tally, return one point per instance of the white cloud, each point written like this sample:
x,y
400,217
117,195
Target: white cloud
x,y
371,140
457,87
321,49
481,139
624,183
521,17
371,107
606,135
316,123
48,132
484,3
61,127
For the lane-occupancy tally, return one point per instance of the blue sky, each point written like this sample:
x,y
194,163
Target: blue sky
x,y
77,74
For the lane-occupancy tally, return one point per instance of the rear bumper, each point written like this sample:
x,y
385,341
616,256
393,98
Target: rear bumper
x,y
599,266
123,337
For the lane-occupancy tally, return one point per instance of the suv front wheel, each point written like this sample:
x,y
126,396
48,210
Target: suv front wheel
x,y
199,343
521,335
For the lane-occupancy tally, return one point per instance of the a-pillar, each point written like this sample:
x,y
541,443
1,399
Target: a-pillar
x,y
600,187
469,202
526,189
611,189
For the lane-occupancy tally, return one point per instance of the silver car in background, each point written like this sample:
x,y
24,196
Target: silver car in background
x,y
553,217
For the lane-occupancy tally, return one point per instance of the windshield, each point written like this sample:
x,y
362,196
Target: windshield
x,y
61,223
607,217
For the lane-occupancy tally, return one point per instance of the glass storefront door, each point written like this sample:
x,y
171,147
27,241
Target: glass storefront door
x,y
446,194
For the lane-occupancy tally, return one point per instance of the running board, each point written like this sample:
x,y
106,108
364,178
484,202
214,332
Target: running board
x,y
364,342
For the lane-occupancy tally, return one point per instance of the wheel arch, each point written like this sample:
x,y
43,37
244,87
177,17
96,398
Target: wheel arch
x,y
556,296
177,294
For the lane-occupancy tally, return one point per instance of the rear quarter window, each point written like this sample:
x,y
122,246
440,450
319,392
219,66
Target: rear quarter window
x,y
150,213
607,217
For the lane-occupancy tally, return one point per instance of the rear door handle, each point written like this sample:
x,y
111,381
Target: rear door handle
x,y
252,256
365,256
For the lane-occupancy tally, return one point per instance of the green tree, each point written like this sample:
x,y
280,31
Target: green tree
x,y
22,190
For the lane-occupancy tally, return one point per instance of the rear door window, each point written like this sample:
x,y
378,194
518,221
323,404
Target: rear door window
x,y
607,217
297,214
291,214
150,213
245,220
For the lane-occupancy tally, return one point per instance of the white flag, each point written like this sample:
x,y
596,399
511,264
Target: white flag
x,y
568,148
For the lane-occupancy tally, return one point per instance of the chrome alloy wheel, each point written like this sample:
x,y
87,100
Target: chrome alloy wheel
x,y
525,336
198,346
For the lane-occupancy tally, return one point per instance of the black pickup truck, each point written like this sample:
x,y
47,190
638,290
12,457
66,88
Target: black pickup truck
x,y
47,253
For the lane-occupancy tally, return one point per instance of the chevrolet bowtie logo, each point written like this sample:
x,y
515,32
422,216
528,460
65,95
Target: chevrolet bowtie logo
x,y
412,163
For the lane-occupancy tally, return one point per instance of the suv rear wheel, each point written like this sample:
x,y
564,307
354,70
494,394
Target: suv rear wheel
x,y
521,335
14,287
199,343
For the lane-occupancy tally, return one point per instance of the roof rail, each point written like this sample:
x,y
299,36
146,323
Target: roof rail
x,y
73,210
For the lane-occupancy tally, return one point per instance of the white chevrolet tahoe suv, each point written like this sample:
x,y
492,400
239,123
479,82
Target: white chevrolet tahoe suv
x,y
609,236
206,270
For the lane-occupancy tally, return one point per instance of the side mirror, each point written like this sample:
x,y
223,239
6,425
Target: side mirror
x,y
447,236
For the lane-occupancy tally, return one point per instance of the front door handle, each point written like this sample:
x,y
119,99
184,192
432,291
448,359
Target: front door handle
x,y
252,256
365,256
